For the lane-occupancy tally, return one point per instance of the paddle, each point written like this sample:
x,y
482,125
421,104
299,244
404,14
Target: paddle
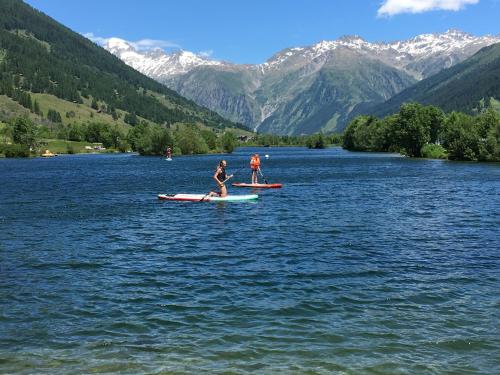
x,y
223,182
265,179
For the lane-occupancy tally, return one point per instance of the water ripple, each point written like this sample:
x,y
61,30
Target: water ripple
x,y
362,263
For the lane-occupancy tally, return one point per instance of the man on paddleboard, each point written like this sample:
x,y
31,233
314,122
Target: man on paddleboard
x,y
255,167
220,178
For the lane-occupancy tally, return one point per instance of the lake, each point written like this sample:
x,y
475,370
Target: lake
x,y
361,264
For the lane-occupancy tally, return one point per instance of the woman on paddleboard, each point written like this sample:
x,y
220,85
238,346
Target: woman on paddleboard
x,y
255,167
220,178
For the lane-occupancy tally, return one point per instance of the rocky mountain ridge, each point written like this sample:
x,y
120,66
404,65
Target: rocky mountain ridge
x,y
305,89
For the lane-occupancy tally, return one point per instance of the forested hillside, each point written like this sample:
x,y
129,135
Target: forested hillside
x,y
466,87
39,55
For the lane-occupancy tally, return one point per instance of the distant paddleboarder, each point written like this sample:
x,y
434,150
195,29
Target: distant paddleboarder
x,y
220,178
255,167
168,153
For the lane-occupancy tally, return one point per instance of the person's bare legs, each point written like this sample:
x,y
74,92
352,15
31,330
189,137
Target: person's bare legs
x,y
223,191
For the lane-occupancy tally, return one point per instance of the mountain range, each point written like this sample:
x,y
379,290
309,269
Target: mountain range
x,y
302,90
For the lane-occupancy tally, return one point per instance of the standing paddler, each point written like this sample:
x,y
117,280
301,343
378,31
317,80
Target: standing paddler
x,y
255,167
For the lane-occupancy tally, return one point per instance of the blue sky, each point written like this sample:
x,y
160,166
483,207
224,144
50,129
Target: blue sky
x,y
252,31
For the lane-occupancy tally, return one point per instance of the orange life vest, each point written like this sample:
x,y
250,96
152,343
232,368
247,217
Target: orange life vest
x,y
254,162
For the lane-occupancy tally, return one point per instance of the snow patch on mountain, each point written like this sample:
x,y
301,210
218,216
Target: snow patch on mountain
x,y
157,63
161,66
425,45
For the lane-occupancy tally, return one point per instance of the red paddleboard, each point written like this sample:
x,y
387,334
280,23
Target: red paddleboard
x,y
257,186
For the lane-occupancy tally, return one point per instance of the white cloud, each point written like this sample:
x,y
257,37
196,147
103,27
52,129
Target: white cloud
x,y
140,45
393,7
149,44
96,39
206,54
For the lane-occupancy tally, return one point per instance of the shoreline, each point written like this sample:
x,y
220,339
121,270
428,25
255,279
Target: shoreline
x,y
113,151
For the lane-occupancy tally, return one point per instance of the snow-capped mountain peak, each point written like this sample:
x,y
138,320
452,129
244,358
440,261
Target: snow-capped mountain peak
x,y
118,45
156,53
426,44
157,63
399,53
453,45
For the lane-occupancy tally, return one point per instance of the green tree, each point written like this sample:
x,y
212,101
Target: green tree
x,y
148,139
436,119
361,134
493,143
412,128
76,132
94,132
228,142
131,118
460,137
24,99
210,139
190,141
135,134
112,111
6,132
54,116
61,131
36,108
111,136
316,141
42,132
23,131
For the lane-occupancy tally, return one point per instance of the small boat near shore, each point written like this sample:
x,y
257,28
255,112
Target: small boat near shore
x,y
48,154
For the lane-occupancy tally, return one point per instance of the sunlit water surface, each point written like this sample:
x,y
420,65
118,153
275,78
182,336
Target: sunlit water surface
x,y
361,264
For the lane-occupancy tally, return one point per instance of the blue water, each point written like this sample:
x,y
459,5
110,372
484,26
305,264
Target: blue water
x,y
362,264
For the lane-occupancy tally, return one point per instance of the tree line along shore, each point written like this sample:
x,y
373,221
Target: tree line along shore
x,y
21,137
426,131
415,131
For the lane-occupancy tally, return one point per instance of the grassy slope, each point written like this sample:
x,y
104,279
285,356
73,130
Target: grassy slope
x,y
10,108
83,112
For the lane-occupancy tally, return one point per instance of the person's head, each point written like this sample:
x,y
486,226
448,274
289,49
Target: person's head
x,y
222,163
